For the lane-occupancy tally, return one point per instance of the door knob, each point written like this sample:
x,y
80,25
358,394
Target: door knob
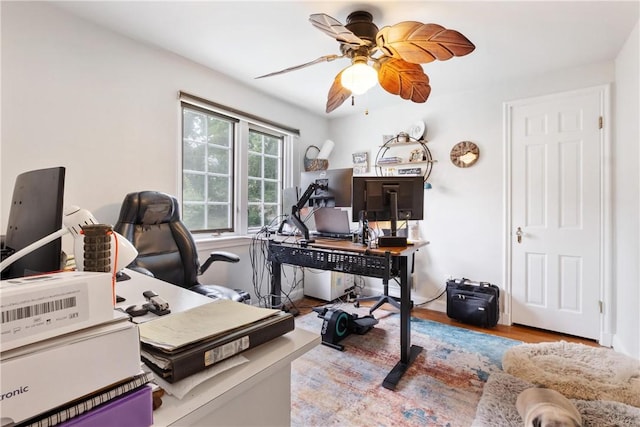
x,y
519,234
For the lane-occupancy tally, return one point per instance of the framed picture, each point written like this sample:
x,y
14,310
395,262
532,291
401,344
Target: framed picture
x,y
416,155
360,157
360,162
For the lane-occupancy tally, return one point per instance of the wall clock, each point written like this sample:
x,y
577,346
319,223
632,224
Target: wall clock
x,y
464,154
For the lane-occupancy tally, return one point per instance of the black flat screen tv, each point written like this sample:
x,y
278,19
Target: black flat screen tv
x,y
36,212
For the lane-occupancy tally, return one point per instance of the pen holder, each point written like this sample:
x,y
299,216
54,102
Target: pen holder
x,y
97,247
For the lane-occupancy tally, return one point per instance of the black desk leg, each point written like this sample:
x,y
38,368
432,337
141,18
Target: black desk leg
x,y
408,352
276,285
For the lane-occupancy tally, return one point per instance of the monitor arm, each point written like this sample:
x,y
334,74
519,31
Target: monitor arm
x,y
393,203
295,210
393,212
394,239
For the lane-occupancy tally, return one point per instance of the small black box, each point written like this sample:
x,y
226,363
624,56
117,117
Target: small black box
x,y
391,241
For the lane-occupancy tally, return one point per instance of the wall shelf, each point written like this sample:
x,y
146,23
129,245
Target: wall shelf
x,y
393,148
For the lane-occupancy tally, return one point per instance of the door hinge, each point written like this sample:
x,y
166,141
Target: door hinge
x,y
600,122
601,305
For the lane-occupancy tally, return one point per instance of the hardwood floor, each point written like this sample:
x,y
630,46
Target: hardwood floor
x,y
516,332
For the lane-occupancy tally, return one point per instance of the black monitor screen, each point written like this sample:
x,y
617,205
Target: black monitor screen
x,y
36,212
373,195
338,181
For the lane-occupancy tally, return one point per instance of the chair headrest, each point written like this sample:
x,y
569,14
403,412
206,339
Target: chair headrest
x,y
150,208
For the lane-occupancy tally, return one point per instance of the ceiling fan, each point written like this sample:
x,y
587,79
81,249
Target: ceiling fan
x,y
391,56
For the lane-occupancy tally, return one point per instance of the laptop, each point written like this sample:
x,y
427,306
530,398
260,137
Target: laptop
x,y
332,222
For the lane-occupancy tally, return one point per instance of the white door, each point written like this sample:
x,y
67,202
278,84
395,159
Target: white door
x,y
556,239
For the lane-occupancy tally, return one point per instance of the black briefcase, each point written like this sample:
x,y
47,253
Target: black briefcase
x,y
476,303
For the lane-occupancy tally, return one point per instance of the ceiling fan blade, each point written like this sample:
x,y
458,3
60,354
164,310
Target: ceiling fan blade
x,y
325,58
420,43
337,94
403,78
333,28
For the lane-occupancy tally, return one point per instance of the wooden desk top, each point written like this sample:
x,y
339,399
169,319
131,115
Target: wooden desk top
x,y
346,245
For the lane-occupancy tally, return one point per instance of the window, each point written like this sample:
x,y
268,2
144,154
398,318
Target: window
x,y
265,178
234,170
207,170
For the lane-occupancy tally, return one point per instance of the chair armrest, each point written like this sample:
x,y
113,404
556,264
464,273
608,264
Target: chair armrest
x,y
219,256
141,270
220,292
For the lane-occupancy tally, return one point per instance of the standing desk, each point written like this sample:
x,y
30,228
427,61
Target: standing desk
x,y
354,258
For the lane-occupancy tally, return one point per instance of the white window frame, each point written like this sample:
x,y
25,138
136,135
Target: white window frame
x,y
240,193
281,163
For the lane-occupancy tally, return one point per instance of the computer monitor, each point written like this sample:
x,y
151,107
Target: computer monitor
x,y
36,211
388,198
338,182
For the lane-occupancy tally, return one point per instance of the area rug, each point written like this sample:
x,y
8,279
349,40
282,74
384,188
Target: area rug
x,y
497,407
577,371
441,388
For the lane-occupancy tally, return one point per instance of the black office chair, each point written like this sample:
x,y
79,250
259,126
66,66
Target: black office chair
x,y
166,249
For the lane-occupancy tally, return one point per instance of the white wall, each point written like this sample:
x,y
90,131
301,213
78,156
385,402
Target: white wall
x,y
106,108
627,197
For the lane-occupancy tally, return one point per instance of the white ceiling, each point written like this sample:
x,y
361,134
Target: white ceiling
x,y
246,39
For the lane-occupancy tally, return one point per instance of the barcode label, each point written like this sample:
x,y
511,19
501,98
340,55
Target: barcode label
x,y
38,309
45,306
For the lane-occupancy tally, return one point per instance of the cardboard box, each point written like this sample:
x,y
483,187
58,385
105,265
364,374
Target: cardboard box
x,y
41,376
40,307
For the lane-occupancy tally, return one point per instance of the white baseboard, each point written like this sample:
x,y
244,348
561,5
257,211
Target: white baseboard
x,y
436,305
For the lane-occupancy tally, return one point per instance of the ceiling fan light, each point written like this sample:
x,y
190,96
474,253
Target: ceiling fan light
x,y
359,78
